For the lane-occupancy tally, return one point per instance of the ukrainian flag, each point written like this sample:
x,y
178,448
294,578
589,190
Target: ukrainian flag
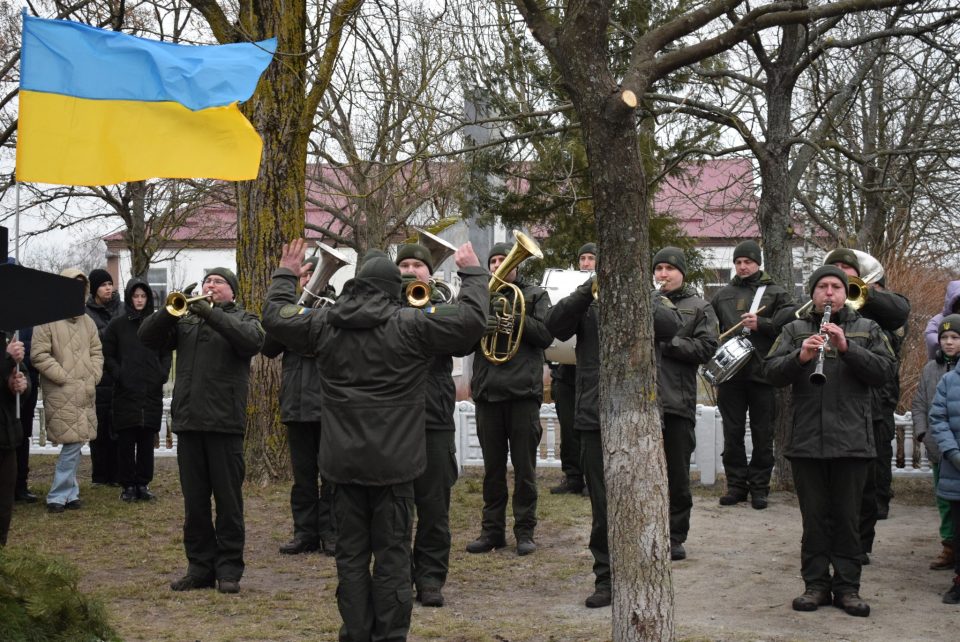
x,y
100,107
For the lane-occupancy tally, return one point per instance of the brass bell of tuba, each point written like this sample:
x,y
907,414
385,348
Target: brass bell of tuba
x,y
440,251
502,345
330,262
858,291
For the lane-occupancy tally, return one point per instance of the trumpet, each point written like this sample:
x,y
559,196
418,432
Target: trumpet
x,y
817,377
417,293
178,305
508,328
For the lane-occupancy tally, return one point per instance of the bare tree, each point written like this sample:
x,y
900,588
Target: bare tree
x,y
578,39
390,112
886,175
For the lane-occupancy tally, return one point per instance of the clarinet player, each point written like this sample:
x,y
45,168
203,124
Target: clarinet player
x,y
832,365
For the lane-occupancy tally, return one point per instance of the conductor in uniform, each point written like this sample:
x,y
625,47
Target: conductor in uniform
x,y
374,358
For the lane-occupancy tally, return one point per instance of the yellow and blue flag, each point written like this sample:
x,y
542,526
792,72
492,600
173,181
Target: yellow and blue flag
x,y
100,107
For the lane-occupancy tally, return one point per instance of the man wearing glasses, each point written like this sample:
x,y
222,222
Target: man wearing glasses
x,y
215,343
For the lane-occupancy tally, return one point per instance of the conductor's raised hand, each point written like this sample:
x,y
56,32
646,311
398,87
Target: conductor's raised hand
x,y
293,254
466,257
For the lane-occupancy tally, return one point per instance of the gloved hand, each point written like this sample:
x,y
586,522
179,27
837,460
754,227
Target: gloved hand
x,y
955,459
498,304
201,308
491,324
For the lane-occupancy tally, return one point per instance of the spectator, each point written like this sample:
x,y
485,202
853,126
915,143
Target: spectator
x,y
138,375
12,382
103,305
69,357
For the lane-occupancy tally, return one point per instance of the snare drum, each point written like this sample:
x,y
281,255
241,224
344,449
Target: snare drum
x,y
729,359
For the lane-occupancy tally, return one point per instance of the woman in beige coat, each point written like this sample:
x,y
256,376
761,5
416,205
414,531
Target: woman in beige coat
x,y
69,358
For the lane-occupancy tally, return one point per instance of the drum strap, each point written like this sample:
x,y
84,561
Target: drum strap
x,y
755,304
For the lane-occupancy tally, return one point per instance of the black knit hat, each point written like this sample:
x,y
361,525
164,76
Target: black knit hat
x,y
826,270
228,276
750,250
97,278
587,248
372,253
843,255
499,249
415,251
673,256
313,261
382,273
949,322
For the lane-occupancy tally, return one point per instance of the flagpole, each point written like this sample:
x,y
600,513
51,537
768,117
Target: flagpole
x,y
16,256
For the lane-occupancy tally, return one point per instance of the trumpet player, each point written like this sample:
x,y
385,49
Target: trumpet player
x,y
214,345
739,302
890,310
508,397
681,354
310,496
830,447
431,490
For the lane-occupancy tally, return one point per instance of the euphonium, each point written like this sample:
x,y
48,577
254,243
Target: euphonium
x,y
509,329
178,305
858,292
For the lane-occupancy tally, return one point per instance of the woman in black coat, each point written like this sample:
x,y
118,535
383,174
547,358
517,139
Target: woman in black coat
x,y
139,374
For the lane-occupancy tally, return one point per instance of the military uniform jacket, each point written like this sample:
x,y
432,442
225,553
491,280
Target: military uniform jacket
x,y
522,376
890,311
213,365
695,343
578,314
832,420
735,299
374,356
300,398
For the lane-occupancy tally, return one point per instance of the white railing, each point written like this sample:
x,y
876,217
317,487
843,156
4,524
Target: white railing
x,y
706,458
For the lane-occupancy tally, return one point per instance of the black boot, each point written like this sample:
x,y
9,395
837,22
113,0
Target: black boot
x,y
144,494
129,493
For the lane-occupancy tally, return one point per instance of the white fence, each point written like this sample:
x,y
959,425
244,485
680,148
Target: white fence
x,y
706,457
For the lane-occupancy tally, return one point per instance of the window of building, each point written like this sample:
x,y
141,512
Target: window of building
x,y
714,280
157,280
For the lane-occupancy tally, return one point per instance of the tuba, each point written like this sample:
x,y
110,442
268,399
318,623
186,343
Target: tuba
x,y
509,330
440,251
858,292
330,261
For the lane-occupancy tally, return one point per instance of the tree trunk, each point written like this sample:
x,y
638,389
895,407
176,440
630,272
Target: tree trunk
x,y
634,465
270,212
775,210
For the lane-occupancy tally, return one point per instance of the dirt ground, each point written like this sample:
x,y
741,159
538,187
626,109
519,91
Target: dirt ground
x,y
737,583
741,574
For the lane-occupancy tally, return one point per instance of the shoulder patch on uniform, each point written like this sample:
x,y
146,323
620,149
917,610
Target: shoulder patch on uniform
x,y
291,310
445,310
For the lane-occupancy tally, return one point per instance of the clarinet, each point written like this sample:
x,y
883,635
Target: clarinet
x,y
817,378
